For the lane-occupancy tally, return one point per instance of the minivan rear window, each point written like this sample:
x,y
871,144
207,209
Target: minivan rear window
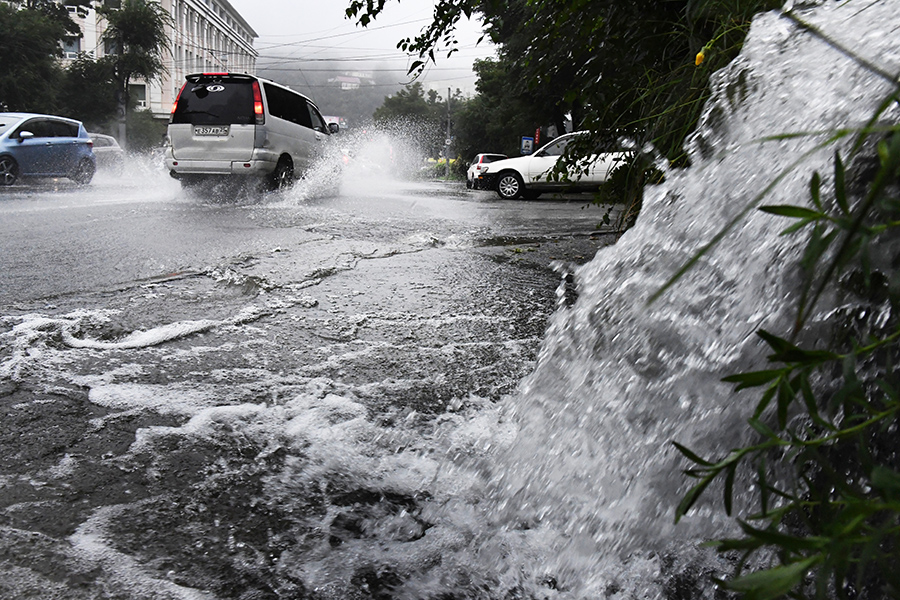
x,y
225,102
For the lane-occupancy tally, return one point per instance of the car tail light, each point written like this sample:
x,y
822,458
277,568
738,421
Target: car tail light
x,y
213,74
258,105
175,104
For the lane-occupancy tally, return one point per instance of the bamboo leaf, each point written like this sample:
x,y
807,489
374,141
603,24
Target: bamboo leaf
x,y
815,184
840,190
729,487
795,212
785,397
753,378
692,496
776,343
762,428
775,582
764,401
691,456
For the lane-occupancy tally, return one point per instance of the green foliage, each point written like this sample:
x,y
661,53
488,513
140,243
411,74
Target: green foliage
x,y
30,46
408,104
827,460
89,91
496,118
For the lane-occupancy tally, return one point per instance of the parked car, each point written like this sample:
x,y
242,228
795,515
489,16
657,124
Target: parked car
x,y
476,165
528,176
237,124
110,156
34,145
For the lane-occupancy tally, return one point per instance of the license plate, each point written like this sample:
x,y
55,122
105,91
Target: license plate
x,y
209,130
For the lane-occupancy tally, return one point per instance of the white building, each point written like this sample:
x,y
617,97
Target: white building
x,y
207,35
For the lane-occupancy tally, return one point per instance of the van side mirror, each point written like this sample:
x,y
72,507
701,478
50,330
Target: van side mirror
x,y
333,127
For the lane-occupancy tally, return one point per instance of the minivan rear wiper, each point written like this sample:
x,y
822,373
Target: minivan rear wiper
x,y
197,112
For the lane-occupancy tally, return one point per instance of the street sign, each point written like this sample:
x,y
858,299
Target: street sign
x,y
527,146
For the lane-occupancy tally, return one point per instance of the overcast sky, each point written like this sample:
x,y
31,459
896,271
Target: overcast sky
x,y
308,31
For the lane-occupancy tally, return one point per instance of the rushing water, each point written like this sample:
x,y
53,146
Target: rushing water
x,y
255,484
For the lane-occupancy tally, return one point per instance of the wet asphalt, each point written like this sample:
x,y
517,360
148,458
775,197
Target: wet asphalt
x,y
414,296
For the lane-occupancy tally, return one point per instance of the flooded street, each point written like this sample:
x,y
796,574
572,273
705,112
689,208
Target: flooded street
x,y
224,394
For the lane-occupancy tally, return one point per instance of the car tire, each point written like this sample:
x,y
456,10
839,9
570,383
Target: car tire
x,y
9,170
83,173
283,175
510,185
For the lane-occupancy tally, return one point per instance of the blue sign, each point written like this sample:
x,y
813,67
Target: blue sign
x,y
527,146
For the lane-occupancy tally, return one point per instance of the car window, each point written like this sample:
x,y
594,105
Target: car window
x,y
556,148
5,125
63,129
318,123
41,128
100,142
491,158
223,102
286,105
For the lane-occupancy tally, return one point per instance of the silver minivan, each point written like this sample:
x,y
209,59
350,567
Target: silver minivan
x,y
243,125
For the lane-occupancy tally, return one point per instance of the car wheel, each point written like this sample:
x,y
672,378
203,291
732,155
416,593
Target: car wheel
x,y
468,184
83,173
510,185
9,170
283,175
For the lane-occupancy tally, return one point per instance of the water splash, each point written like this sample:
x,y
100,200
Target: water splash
x,y
593,469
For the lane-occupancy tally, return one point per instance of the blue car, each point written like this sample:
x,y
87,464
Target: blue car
x,y
33,145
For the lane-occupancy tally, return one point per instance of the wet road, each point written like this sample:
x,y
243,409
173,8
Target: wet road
x,y
150,339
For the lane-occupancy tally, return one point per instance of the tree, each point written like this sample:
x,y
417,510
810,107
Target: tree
x,y
30,47
409,112
89,91
136,31
408,104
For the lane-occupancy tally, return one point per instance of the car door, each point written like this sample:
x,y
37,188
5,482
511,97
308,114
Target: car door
x,y
320,127
543,161
607,157
65,148
34,153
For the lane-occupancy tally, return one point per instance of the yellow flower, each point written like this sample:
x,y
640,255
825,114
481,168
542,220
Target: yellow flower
x,y
700,56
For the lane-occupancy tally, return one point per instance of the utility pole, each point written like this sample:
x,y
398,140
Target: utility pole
x,y
447,146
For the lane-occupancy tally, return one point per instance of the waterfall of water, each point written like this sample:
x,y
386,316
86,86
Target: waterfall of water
x,y
592,476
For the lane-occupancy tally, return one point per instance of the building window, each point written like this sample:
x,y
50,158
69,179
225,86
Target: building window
x,y
71,48
139,95
110,47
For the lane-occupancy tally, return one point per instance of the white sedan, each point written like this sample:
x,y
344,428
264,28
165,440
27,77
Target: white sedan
x,y
528,176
